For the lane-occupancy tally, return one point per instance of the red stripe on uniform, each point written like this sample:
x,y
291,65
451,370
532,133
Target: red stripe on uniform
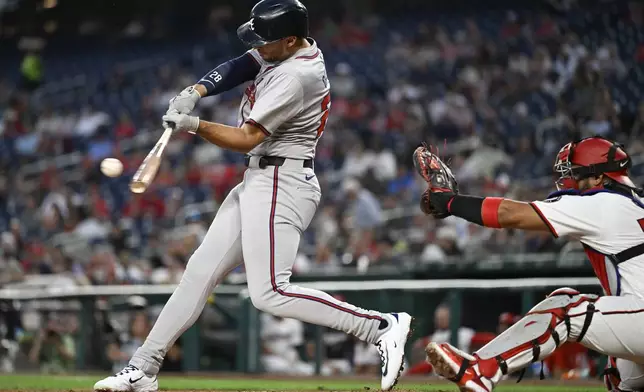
x,y
545,220
271,231
598,261
258,125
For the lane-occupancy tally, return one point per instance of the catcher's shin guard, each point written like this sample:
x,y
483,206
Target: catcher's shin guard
x,y
545,327
611,375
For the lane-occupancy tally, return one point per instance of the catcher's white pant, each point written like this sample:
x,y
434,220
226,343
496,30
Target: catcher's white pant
x,y
610,325
617,330
260,222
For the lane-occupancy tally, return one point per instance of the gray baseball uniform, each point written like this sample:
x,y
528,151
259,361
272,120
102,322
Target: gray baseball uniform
x,y
261,220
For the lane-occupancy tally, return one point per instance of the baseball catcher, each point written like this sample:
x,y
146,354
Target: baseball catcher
x,y
597,204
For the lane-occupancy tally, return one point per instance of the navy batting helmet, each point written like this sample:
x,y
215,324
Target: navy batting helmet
x,y
272,20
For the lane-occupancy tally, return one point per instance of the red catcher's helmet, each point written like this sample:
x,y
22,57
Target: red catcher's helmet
x,y
589,157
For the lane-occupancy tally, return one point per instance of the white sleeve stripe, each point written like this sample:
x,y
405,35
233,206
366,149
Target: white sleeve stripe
x,y
206,80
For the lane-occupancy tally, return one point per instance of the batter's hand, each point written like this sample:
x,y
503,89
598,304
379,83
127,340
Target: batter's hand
x,y
184,103
181,122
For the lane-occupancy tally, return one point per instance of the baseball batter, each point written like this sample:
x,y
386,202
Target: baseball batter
x,y
598,205
282,115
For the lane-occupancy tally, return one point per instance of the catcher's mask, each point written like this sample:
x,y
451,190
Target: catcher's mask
x,y
590,157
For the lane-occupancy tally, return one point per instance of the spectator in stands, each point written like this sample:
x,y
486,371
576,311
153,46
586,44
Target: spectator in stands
x,y
337,349
570,361
366,360
608,61
357,161
441,334
101,146
10,331
586,94
119,352
56,200
53,348
125,128
31,70
362,217
283,343
91,226
89,122
636,135
506,320
445,245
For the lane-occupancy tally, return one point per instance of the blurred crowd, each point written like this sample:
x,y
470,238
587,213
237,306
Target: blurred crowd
x,y
498,107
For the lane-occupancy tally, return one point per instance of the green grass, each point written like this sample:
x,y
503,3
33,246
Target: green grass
x,y
71,383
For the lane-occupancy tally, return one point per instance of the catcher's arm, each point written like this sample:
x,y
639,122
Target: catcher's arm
x,y
497,212
441,199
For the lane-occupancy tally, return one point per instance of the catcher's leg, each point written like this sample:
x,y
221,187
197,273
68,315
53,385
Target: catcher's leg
x,y
623,375
606,325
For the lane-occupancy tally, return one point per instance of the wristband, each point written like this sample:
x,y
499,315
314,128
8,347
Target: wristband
x,y
479,210
490,212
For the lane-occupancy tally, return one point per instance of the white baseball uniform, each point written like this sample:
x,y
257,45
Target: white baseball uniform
x,y
611,228
261,220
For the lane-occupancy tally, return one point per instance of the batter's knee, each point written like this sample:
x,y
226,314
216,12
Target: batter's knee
x,y
268,299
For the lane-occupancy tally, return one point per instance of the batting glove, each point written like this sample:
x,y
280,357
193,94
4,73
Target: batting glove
x,y
181,122
184,103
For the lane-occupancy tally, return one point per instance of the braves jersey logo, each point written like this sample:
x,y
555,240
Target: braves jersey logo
x,y
250,94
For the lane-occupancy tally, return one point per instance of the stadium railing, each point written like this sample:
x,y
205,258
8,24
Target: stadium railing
x,y
385,295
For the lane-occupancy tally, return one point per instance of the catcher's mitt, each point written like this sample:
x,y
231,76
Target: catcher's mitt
x,y
441,183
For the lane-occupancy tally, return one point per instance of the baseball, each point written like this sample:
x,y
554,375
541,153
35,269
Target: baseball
x,y
111,167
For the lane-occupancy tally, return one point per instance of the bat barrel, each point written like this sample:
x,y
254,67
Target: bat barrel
x,y
138,186
150,165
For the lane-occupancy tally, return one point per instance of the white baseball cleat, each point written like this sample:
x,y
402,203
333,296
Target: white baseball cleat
x,y
130,379
391,346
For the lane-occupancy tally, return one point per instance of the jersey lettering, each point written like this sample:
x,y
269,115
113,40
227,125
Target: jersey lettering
x,y
250,94
326,102
641,222
216,76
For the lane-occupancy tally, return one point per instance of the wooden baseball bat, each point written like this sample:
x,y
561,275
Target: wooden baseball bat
x,y
150,165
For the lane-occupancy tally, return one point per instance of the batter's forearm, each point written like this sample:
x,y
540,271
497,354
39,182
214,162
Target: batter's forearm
x,y
224,136
228,75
